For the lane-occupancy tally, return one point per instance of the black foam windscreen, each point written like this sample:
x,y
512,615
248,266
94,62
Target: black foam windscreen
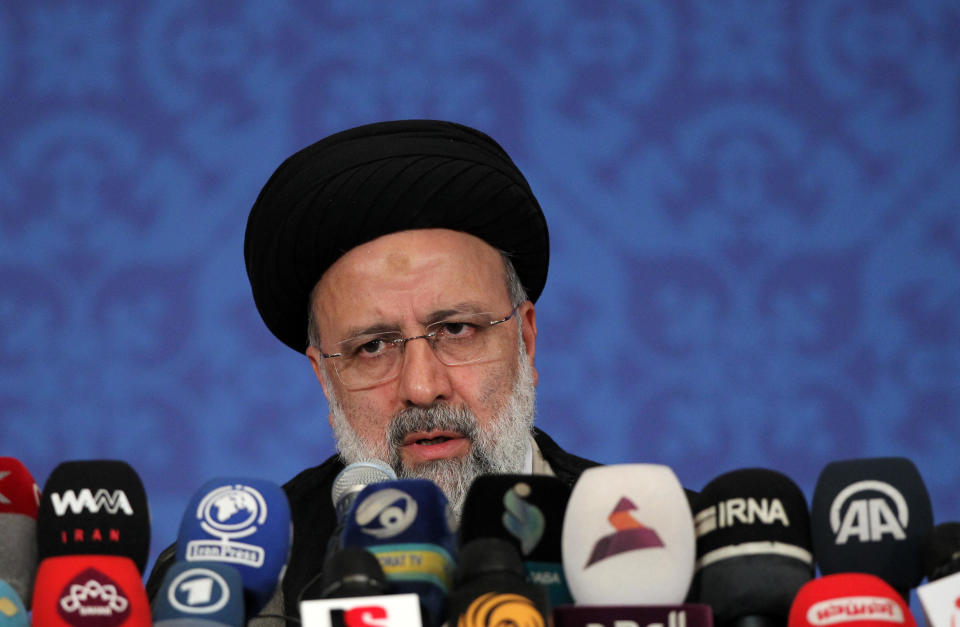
x,y
941,551
486,557
96,507
872,516
492,589
525,510
350,572
753,545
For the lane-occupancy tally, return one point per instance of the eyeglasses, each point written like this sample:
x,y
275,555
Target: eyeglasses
x,y
367,360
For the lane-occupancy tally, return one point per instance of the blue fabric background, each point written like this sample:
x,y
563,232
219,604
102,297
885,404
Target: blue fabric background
x,y
753,209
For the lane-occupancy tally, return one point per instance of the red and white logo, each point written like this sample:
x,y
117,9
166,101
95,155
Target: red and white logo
x,y
853,609
393,610
93,599
363,616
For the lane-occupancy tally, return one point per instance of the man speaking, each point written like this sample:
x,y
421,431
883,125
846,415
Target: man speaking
x,y
404,259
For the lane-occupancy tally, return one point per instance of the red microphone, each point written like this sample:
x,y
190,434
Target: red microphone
x,y
102,590
19,498
849,600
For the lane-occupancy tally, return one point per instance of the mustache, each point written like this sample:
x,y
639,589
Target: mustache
x,y
440,417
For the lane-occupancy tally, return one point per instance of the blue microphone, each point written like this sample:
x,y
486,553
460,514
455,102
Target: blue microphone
x,y
244,523
12,611
201,593
408,525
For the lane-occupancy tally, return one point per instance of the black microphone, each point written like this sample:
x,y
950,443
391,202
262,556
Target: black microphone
x,y
871,516
492,588
940,596
94,508
355,591
941,551
350,572
527,511
753,547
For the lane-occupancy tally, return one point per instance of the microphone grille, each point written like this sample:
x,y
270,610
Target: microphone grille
x,y
358,475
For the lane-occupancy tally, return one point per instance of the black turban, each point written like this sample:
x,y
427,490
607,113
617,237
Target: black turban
x,y
365,182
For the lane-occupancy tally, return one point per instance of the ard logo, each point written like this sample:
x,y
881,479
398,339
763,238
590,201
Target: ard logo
x,y
869,511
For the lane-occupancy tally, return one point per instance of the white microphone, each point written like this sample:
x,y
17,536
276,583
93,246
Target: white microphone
x,y
628,537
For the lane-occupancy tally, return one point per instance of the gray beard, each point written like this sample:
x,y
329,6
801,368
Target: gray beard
x,y
499,448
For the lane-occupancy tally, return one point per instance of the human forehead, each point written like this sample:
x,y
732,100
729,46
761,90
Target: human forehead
x,y
410,275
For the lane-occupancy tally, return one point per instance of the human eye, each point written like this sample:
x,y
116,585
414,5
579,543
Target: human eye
x,y
369,348
457,329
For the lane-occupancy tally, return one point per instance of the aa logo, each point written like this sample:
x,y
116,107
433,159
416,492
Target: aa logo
x,y
867,511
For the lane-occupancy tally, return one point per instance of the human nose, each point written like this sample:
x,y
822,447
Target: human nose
x,y
423,379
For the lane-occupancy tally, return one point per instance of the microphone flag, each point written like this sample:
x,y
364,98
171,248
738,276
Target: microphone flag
x,y
628,537
19,502
872,516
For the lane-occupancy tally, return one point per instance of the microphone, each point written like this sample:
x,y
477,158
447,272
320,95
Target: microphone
x,y
408,525
753,547
90,590
527,511
352,480
205,594
354,591
628,537
940,597
19,499
492,588
244,523
390,610
94,508
941,551
871,516
350,572
348,483
849,600
12,611
685,615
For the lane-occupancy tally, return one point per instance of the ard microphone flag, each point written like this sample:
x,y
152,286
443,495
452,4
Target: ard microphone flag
x,y
208,594
628,537
94,508
90,591
19,501
871,516
244,523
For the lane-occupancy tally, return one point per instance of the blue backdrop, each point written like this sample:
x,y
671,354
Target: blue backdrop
x,y
753,209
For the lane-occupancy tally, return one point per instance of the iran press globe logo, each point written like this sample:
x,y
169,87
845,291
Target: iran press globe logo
x,y
228,514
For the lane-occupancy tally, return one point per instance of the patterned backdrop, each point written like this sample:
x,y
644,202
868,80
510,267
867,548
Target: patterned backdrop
x,y
754,209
